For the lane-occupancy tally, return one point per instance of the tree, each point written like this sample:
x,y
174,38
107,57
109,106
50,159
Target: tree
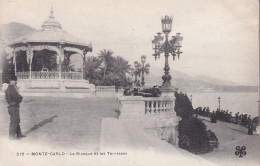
x,y
118,74
93,69
120,65
107,59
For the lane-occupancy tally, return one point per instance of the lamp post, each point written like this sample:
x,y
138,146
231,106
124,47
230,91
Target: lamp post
x,y
84,61
219,99
171,46
143,58
137,71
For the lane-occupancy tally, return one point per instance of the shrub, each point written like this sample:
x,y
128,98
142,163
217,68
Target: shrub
x,y
193,134
183,106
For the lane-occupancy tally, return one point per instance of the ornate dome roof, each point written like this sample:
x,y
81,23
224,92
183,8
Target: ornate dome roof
x,y
51,23
51,32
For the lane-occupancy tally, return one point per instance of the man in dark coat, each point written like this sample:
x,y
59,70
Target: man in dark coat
x,y
14,99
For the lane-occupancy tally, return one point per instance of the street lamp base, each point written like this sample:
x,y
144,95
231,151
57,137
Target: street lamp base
x,y
169,89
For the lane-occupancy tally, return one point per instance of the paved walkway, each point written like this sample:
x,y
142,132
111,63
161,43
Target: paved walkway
x,y
124,135
229,138
61,122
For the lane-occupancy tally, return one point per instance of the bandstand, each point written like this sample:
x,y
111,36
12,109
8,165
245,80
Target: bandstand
x,y
41,59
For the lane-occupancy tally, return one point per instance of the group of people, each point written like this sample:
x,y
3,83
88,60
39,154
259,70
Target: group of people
x,y
227,116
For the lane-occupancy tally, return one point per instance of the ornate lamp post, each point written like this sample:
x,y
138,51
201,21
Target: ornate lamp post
x,y
143,58
137,71
84,62
171,46
219,99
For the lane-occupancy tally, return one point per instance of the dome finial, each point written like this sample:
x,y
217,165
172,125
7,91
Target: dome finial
x,y
51,12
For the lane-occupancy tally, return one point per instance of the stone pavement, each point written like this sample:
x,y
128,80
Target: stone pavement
x,y
229,138
121,136
61,121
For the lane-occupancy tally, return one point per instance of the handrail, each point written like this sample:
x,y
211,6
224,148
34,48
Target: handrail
x,y
105,88
49,75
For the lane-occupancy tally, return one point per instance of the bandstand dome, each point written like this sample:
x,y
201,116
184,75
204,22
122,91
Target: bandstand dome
x,y
42,58
51,32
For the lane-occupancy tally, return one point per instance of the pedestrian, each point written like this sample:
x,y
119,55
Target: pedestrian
x,y
14,99
250,129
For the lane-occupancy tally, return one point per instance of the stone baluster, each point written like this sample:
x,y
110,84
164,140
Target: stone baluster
x,y
163,106
159,106
146,107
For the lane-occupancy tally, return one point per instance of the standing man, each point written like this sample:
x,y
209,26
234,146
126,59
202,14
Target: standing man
x,y
14,99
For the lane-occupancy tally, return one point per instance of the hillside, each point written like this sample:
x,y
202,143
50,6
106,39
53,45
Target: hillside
x,y
14,30
187,83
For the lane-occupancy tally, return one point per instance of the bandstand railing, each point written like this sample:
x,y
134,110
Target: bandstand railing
x,y
72,75
45,75
49,75
22,75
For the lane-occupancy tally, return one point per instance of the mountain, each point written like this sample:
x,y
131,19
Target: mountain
x,y
14,30
187,83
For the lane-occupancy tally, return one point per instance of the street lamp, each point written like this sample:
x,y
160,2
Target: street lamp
x,y
171,46
84,61
137,70
219,99
143,58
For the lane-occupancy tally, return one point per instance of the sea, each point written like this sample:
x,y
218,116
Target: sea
x,y
244,103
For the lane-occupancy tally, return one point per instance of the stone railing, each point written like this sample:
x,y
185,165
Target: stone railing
x,y
22,75
105,89
155,115
142,106
71,75
158,105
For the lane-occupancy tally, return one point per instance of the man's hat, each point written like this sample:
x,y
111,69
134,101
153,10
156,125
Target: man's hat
x,y
12,78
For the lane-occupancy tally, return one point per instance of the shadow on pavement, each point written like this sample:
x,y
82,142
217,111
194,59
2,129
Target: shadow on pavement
x,y
42,123
27,101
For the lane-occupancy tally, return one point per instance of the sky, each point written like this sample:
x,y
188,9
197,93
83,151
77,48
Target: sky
x,y
220,37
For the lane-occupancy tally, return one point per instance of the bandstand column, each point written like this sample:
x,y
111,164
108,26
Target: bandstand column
x,y
30,57
61,57
14,62
83,65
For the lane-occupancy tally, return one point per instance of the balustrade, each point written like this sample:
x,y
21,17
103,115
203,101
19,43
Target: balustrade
x,y
105,88
158,105
145,106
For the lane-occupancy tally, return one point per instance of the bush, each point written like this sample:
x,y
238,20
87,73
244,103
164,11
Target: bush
x,y
183,106
193,136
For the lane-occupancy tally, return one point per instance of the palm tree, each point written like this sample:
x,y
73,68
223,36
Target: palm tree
x,y
107,59
93,68
121,65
